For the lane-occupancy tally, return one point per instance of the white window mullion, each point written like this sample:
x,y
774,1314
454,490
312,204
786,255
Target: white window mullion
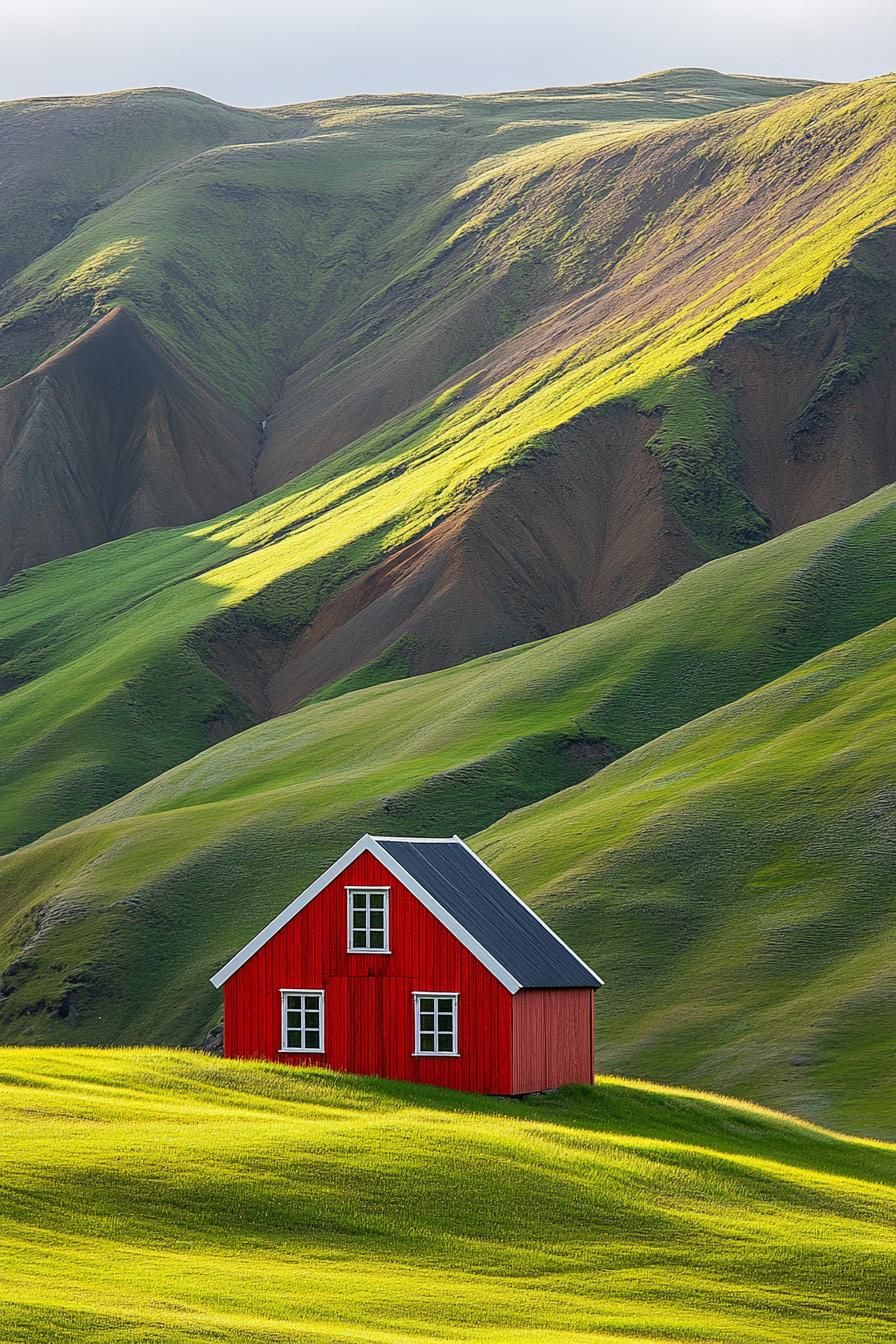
x,y
296,1007
435,1024
368,919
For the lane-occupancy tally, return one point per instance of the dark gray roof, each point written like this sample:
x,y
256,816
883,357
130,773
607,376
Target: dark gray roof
x,y
490,912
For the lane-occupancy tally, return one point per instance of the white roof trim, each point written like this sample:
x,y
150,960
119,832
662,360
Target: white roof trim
x,y
285,915
451,924
520,900
370,844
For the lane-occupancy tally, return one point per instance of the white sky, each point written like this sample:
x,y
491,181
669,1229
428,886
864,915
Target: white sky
x,y
264,52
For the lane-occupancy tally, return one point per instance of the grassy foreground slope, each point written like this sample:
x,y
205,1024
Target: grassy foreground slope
x,y
111,925
152,1195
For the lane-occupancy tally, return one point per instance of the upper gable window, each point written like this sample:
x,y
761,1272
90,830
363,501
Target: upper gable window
x,y
368,919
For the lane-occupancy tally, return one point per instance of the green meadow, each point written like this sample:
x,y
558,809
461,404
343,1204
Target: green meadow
x,y
727,870
154,1195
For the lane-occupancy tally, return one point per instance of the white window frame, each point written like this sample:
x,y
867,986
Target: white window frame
x,y
350,892
298,1049
435,994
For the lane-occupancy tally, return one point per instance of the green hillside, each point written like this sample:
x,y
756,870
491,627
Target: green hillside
x,y
700,850
153,1195
231,231
63,159
741,869
107,657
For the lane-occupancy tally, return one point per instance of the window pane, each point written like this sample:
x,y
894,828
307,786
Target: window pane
x,y
377,919
427,1042
359,900
427,1022
293,1039
312,1019
359,919
375,900
312,1040
446,1042
427,1005
376,939
359,938
293,1002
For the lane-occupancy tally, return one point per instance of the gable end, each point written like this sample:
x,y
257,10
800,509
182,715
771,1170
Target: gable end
x,y
368,844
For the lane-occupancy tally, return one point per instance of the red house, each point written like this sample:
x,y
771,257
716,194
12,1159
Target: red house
x,y
410,959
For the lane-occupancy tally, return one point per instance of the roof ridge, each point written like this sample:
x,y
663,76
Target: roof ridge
x,y
420,839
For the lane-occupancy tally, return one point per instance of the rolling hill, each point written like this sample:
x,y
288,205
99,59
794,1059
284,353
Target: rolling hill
x,y
321,415
267,1204
695,851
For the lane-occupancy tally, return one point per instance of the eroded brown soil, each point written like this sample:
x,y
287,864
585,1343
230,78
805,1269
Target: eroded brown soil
x,y
110,436
564,539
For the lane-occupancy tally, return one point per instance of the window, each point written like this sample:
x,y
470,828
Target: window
x,y
368,919
435,1024
302,1020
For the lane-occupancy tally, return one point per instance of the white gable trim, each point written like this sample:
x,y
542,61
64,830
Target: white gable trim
x,y
368,844
441,914
279,921
519,899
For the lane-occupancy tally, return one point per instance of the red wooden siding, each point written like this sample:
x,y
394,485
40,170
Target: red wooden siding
x,y
368,997
553,1038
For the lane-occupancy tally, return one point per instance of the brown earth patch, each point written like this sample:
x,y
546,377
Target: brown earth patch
x,y
112,435
564,539
814,391
794,473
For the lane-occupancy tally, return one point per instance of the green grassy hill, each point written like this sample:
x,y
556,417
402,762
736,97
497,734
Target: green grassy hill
x,y
692,865
152,1195
540,354
122,661
734,879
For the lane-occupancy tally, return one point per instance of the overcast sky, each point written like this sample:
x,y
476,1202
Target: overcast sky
x,y
264,52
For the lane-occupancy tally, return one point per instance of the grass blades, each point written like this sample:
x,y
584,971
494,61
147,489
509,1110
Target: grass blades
x,y
154,1195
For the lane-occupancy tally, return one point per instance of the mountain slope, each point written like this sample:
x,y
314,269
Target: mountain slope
x,y
248,261
111,436
111,925
367,563
63,159
260,1203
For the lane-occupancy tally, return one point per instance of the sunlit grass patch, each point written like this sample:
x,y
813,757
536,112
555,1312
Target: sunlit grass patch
x,y
153,1195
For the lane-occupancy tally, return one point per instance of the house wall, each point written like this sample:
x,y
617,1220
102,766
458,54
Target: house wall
x,y
368,1003
553,1038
